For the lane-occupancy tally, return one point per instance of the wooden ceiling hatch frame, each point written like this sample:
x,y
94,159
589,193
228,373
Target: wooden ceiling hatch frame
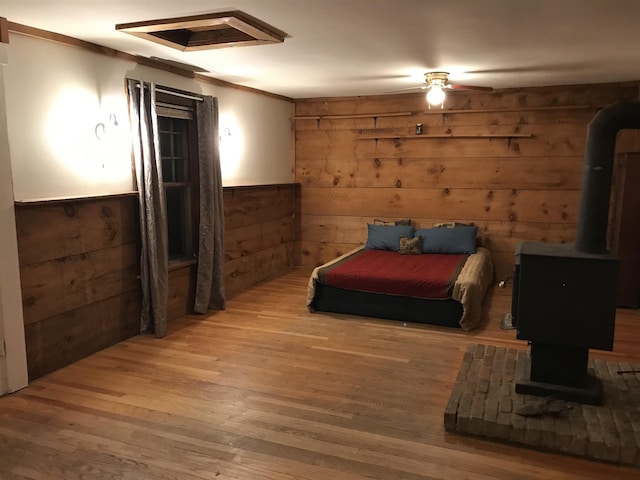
x,y
208,31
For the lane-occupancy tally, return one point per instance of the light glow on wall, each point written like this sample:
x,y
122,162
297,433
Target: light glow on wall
x,y
231,146
54,151
70,132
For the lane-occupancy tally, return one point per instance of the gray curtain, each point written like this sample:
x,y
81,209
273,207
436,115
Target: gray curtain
x,y
153,217
210,279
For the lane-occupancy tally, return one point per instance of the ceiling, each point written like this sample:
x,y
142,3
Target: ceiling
x,y
370,47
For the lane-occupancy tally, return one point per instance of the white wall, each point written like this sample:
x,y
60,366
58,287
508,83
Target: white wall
x,y
259,141
56,95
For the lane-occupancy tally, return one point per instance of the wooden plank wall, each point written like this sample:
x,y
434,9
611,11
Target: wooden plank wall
x,y
79,267
181,291
261,231
78,270
514,189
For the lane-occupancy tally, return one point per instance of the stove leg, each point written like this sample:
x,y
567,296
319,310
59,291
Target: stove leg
x,y
559,371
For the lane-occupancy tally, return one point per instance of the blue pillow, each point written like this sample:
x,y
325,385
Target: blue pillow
x,y
380,237
456,240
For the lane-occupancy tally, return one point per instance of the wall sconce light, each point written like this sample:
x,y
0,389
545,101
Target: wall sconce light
x,y
226,133
102,130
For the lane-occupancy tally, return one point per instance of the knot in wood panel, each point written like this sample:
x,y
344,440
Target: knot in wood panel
x,y
69,211
110,232
106,211
522,99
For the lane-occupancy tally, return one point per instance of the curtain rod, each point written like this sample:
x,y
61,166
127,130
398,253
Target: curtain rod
x,y
177,94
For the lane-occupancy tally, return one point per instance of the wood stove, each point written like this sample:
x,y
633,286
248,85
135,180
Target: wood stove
x,y
566,305
564,296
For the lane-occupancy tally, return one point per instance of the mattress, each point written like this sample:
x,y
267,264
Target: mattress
x,y
395,283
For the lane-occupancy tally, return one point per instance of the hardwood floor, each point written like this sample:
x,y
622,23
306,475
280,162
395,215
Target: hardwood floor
x,y
267,390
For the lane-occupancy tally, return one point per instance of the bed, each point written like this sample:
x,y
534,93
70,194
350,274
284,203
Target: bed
x,y
443,281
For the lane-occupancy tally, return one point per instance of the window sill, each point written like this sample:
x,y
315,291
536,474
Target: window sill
x,y
181,263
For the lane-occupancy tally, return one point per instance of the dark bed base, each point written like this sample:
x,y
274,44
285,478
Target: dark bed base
x,y
407,309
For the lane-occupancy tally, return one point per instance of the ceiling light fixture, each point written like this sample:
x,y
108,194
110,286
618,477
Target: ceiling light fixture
x,y
436,96
436,82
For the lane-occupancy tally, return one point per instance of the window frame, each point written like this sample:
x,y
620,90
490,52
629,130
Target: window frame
x,y
177,107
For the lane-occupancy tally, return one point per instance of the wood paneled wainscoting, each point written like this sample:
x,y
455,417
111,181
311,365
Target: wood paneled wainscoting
x,y
78,269
262,232
509,161
79,266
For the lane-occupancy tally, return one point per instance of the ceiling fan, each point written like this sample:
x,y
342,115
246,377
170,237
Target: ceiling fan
x,y
437,82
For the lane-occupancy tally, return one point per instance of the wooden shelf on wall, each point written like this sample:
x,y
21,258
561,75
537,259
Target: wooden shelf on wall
x,y
427,136
359,115
442,112
519,108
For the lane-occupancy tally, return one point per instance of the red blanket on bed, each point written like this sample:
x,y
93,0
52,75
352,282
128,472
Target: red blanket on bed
x,y
382,271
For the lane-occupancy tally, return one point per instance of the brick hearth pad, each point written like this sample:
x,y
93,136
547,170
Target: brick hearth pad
x,y
483,403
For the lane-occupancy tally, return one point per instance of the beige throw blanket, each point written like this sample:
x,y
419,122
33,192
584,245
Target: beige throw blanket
x,y
472,285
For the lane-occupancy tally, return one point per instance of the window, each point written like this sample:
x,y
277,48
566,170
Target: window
x,y
178,151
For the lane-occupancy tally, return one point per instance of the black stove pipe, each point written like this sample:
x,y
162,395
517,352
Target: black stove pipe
x,y
598,168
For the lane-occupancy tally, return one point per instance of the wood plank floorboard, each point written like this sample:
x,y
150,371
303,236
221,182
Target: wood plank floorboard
x,y
267,390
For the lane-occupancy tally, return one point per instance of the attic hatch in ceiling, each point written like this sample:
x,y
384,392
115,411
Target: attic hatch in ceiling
x,y
201,32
